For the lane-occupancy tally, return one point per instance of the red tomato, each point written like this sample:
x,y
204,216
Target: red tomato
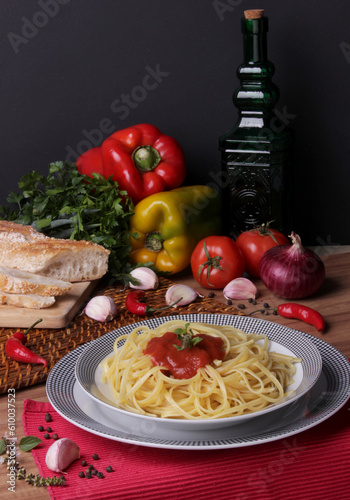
x,y
254,244
216,261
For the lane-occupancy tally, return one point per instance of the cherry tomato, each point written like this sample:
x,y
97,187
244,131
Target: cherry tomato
x,y
254,243
216,261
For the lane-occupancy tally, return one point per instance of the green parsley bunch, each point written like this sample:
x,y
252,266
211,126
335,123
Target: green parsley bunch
x,y
67,204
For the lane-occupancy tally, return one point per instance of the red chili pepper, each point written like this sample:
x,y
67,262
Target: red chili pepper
x,y
135,304
140,158
304,313
16,349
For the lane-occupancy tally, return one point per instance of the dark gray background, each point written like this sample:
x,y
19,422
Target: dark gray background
x,y
62,84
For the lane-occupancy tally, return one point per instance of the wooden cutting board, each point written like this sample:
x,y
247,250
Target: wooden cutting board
x,y
57,316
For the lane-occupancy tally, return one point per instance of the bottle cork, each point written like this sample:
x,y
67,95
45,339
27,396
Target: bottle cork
x,y
254,13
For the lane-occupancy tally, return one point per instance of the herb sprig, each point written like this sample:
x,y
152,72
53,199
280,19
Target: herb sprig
x,y
26,444
68,204
186,337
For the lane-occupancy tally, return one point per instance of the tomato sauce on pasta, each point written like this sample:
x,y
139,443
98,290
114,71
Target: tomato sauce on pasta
x,y
184,363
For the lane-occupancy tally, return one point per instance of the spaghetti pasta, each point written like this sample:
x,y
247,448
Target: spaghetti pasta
x,y
247,380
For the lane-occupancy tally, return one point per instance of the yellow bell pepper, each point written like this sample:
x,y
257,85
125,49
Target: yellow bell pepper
x,y
166,226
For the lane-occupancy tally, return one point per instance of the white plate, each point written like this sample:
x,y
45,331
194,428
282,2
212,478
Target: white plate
x,y
282,340
329,394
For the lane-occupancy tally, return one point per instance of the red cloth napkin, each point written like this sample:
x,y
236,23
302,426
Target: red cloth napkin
x,y
312,465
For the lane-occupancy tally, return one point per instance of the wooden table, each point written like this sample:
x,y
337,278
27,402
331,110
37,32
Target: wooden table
x,y
332,301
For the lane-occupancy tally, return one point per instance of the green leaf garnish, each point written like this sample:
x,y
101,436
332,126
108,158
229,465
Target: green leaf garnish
x,y
186,336
27,443
2,446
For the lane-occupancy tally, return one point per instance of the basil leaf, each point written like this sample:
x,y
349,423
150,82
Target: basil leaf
x,y
196,340
27,443
2,446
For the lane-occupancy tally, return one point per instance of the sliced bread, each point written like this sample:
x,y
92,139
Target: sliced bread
x,y
24,248
23,282
29,300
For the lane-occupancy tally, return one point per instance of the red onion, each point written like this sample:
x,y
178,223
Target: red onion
x,y
292,271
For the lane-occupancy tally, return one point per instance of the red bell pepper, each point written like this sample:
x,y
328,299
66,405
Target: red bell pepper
x,y
140,158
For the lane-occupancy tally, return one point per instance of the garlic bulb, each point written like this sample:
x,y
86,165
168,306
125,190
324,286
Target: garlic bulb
x,y
61,454
101,308
148,280
181,295
240,288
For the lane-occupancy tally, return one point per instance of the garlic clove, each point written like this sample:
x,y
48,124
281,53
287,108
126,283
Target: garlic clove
x,y
181,294
101,308
148,280
240,288
61,454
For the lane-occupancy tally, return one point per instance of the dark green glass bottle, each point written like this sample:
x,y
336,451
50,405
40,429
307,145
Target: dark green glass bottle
x,y
256,153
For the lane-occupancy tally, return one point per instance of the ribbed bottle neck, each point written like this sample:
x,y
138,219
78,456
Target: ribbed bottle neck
x,y
256,95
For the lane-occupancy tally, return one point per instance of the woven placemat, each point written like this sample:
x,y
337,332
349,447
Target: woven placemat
x,y
53,344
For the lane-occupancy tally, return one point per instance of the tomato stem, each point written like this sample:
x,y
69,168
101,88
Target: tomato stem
x,y
265,230
211,262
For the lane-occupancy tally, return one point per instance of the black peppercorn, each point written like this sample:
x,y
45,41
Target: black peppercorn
x,y
266,305
81,474
94,472
100,475
109,468
48,417
229,302
254,302
46,435
48,429
88,475
40,428
241,306
95,456
211,295
54,436
83,463
250,300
